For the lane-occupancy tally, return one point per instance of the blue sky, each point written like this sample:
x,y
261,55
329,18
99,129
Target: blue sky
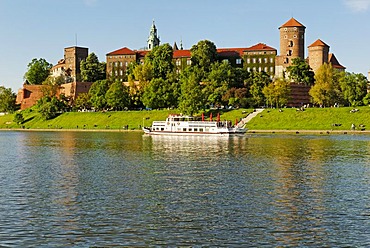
x,y
43,28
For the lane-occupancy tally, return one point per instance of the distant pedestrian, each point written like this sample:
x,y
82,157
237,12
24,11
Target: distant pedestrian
x,y
353,127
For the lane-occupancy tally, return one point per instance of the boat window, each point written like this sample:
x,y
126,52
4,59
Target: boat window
x,y
184,129
162,129
195,129
200,129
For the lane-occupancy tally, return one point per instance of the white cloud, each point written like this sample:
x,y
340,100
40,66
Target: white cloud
x,y
358,5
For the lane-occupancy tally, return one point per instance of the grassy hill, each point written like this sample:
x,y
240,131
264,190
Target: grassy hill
x,y
269,119
311,119
103,120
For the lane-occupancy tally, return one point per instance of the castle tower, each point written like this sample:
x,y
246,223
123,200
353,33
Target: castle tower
x,y
291,44
318,54
73,57
153,39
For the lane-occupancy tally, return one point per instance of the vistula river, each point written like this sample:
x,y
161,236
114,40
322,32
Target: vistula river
x,y
86,189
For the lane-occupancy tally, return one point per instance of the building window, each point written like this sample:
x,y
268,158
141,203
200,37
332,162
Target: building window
x,y
238,61
266,69
121,72
248,60
188,62
254,60
271,69
178,62
116,64
120,64
265,59
285,37
260,60
248,69
271,60
259,69
126,63
295,36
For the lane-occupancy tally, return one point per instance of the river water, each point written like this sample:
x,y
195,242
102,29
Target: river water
x,y
83,189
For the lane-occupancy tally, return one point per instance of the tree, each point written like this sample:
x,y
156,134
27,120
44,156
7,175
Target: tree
x,y
38,70
354,88
117,96
83,101
18,118
160,93
218,82
277,93
326,90
191,99
7,100
97,94
143,73
300,72
92,70
50,107
160,58
203,54
256,82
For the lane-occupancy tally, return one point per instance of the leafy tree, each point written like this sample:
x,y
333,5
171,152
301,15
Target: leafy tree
x,y
38,70
191,99
161,60
117,96
97,94
300,72
7,100
256,82
366,99
142,74
353,87
277,93
51,80
160,93
83,101
18,118
92,70
50,107
326,90
236,97
203,54
218,82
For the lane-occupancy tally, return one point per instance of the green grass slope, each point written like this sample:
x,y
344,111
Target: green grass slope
x,y
104,120
311,119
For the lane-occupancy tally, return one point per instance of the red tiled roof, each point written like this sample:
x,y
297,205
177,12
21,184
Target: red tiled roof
x,y
181,54
142,53
259,47
122,51
334,62
292,23
228,52
318,43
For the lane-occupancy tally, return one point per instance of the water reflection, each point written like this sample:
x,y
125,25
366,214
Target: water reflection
x,y
105,189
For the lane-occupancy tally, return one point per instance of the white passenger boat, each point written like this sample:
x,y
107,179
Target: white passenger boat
x,y
187,125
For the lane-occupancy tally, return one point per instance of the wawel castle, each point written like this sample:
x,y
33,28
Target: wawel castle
x,y
259,57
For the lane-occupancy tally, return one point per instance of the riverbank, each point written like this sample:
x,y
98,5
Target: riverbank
x,y
288,120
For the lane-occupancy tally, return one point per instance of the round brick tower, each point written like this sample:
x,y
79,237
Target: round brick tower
x,y
291,41
318,54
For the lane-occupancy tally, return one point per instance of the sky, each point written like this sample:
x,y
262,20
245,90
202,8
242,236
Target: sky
x,y
43,28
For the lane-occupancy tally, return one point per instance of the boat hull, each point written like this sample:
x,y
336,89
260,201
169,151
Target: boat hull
x,y
233,131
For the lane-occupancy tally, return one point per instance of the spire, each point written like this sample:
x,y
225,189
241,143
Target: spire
x,y
153,39
175,47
